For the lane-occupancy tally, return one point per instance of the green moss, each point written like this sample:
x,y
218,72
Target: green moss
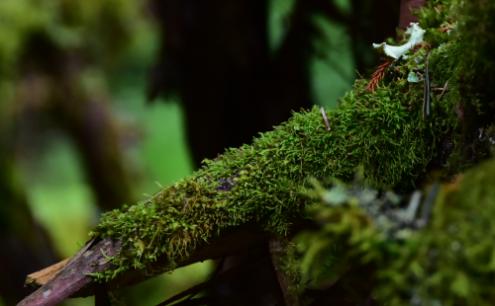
x,y
347,238
384,133
261,183
453,260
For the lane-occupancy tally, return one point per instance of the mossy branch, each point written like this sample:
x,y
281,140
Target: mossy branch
x,y
382,134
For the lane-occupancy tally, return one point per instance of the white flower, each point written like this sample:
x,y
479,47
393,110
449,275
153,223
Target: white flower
x,y
415,37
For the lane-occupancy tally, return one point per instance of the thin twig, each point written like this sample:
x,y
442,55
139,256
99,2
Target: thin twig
x,y
444,89
427,91
428,205
413,206
325,118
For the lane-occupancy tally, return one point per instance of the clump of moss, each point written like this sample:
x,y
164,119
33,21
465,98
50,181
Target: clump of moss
x,y
452,261
385,133
465,56
335,259
448,261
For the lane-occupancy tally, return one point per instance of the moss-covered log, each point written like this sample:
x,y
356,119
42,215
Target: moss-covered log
x,y
388,135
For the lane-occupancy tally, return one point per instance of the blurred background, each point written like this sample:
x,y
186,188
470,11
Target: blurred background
x,y
102,102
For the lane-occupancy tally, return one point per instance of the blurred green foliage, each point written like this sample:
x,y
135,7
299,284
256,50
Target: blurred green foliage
x,y
118,42
100,28
450,261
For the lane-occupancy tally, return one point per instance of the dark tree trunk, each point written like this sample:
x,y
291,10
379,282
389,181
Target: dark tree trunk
x,y
371,21
26,247
215,57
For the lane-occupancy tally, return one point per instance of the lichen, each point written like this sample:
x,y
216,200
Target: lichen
x,y
415,33
384,133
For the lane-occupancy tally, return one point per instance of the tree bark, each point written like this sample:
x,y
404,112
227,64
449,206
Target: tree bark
x,y
407,11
